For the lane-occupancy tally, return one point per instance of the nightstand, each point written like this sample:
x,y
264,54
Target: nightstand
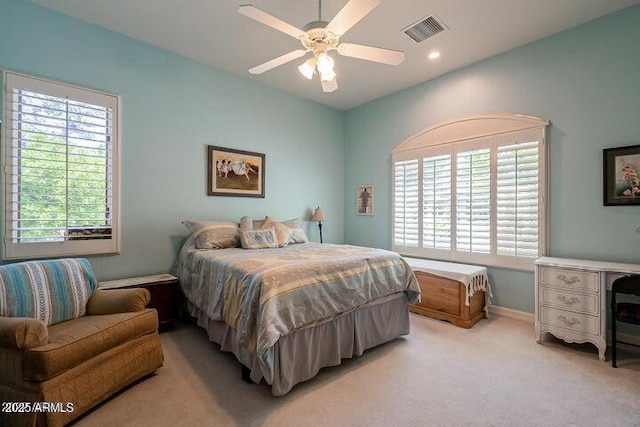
x,y
164,294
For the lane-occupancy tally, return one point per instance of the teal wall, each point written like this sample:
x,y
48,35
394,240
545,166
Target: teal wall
x,y
172,108
585,80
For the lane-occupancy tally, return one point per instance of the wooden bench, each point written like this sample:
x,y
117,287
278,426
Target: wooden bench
x,y
450,291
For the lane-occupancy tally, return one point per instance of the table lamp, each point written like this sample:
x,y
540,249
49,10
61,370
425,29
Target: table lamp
x,y
318,216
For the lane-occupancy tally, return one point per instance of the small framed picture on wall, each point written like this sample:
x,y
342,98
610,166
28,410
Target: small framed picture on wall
x,y
365,199
622,176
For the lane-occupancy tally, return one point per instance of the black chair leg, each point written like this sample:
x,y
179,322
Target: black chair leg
x,y
613,331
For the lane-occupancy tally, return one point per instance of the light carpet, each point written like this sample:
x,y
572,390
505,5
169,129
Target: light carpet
x,y
493,374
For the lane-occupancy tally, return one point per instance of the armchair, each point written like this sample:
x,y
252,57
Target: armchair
x,y
65,346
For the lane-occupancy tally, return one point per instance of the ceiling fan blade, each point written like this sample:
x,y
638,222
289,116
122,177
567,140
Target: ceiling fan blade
x,y
259,69
270,20
350,14
329,85
370,53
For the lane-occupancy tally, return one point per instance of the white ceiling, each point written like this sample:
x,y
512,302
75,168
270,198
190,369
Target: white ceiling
x,y
214,33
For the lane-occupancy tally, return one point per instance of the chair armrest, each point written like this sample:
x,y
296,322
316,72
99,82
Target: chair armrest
x,y
111,301
22,332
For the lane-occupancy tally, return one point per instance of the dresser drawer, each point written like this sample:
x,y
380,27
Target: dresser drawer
x,y
439,293
569,279
582,323
586,303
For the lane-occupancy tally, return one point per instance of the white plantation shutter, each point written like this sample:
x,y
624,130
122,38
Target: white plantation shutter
x,y
60,158
436,202
481,194
473,202
517,199
406,204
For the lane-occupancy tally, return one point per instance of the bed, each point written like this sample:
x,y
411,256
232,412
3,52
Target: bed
x,y
287,312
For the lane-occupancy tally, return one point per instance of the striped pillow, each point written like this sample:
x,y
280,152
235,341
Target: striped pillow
x,y
214,234
53,291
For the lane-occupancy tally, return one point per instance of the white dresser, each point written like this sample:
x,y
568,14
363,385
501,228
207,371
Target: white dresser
x,y
571,298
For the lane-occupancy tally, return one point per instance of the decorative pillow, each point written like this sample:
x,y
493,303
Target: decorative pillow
x,y
282,231
263,238
246,223
214,234
297,232
52,291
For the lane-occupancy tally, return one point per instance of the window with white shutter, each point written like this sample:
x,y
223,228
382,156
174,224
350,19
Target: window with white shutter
x,y
517,199
436,202
406,203
479,186
60,158
473,201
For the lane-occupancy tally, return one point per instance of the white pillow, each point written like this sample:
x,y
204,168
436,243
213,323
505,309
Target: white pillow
x,y
297,232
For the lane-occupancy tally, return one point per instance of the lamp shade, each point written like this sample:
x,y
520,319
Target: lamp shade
x,y
318,215
308,68
325,63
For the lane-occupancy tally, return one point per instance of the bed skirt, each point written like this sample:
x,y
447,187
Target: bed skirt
x,y
299,355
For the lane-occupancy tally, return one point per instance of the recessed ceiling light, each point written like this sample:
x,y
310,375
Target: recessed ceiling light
x,y
434,55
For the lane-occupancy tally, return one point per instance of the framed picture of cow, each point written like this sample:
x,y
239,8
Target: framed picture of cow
x,y
234,173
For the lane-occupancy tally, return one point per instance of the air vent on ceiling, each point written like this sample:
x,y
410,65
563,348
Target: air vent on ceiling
x,y
425,28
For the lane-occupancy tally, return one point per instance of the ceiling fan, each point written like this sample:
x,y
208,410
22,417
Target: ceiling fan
x,y
320,37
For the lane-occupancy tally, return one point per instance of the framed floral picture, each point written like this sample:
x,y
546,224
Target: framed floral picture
x,y
365,200
622,176
235,172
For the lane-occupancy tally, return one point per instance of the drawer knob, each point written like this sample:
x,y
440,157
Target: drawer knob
x,y
568,280
569,322
568,301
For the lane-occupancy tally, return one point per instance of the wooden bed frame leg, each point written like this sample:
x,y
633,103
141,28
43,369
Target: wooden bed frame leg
x,y
246,375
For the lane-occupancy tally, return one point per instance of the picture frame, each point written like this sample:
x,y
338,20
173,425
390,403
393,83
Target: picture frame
x,y
365,200
235,173
621,178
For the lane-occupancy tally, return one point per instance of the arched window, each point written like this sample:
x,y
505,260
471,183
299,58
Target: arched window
x,y
473,190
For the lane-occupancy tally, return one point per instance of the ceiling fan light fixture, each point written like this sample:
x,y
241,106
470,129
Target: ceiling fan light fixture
x,y
327,75
325,63
329,85
320,37
308,68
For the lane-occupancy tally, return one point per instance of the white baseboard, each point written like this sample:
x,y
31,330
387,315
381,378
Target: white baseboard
x,y
512,314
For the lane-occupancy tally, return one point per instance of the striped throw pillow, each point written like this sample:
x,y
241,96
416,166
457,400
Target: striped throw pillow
x,y
53,291
214,234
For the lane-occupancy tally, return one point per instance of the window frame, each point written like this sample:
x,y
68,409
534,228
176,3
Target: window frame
x,y
25,250
465,134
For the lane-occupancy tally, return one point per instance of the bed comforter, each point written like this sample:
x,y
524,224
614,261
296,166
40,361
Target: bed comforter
x,y
265,293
